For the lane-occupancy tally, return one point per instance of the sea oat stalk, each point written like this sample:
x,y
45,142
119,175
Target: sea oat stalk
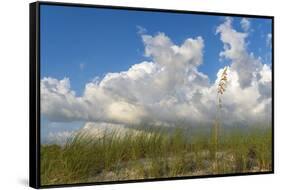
x,y
217,125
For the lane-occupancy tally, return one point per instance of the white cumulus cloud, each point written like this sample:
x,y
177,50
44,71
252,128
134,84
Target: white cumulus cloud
x,y
245,24
168,90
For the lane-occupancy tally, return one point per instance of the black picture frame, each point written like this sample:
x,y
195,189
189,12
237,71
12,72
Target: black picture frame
x,y
34,91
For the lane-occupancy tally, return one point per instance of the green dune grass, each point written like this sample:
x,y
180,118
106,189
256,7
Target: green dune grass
x,y
155,154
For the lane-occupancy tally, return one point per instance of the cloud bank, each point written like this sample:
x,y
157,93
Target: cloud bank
x,y
169,90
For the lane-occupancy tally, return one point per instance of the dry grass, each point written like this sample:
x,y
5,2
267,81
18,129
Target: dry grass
x,y
155,154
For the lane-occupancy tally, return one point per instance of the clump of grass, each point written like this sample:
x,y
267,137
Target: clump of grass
x,y
154,154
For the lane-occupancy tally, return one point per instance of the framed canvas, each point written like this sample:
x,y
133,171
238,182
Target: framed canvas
x,y
126,94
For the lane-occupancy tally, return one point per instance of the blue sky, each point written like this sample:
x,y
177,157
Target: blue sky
x,y
84,43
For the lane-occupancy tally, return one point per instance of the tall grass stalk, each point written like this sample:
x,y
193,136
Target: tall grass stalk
x,y
217,124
